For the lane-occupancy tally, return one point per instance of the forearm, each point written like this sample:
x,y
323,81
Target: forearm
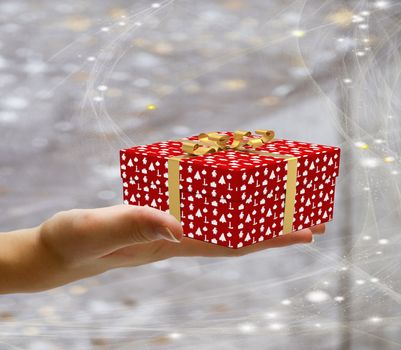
x,y
25,263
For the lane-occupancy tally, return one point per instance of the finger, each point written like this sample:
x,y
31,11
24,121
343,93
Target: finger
x,y
134,255
111,228
192,247
318,229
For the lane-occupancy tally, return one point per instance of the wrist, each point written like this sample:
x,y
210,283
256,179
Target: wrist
x,y
26,264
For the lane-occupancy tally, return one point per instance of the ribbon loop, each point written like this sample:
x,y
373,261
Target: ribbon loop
x,y
196,149
214,139
239,139
267,135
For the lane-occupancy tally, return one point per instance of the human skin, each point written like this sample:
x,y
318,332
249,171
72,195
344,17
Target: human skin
x,y
79,243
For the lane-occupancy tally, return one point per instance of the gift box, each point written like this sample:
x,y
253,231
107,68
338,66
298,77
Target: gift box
x,y
234,189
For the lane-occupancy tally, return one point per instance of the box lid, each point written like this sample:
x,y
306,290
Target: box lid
x,y
230,174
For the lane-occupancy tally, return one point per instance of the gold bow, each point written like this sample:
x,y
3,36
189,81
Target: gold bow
x,y
213,142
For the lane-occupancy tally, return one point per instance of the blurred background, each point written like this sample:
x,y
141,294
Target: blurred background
x,y
81,79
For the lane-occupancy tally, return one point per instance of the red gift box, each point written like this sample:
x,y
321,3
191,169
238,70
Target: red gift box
x,y
238,192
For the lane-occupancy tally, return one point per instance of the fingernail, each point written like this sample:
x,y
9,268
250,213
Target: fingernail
x,y
166,234
313,240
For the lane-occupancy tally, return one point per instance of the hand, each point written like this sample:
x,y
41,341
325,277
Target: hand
x,y
83,242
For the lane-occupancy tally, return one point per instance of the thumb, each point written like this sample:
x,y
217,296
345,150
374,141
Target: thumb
x,y
123,225
95,232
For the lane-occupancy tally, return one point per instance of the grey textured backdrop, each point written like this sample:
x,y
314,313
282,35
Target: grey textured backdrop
x,y
81,79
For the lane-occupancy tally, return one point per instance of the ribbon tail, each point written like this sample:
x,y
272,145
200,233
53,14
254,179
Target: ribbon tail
x,y
174,186
290,192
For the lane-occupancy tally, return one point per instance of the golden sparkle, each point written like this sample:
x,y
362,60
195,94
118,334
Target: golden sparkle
x,y
78,290
298,33
80,76
362,145
162,48
99,341
117,13
46,311
77,24
220,308
389,159
342,17
234,84
269,101
160,340
141,42
234,4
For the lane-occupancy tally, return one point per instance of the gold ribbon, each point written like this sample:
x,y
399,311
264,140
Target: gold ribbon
x,y
214,142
